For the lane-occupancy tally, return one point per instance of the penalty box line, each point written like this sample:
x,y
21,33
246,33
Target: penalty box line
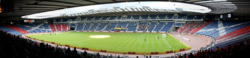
x,y
167,42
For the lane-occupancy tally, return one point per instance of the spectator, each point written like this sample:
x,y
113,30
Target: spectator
x,y
68,53
191,55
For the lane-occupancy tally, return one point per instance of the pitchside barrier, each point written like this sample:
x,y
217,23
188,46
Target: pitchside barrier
x,y
120,52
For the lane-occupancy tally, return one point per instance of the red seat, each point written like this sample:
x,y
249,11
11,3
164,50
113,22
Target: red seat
x,y
52,27
14,27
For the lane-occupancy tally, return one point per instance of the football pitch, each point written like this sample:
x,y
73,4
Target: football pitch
x,y
123,42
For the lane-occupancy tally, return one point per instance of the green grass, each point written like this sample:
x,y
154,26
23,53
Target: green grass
x,y
126,42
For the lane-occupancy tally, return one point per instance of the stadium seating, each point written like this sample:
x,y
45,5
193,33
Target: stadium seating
x,y
64,27
101,26
53,28
35,28
11,31
94,26
168,26
38,28
86,27
132,26
152,26
111,27
221,28
159,26
25,27
16,28
79,27
177,31
191,27
58,27
226,32
236,38
200,27
234,33
207,27
46,26
142,26
122,25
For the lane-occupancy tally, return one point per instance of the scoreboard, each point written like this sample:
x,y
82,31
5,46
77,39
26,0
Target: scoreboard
x,y
29,20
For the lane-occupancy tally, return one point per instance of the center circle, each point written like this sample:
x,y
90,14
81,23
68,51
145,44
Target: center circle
x,y
99,36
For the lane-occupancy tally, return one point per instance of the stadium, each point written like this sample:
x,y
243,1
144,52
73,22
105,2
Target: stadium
x,y
124,29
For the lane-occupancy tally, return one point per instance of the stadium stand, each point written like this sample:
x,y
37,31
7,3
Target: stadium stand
x,y
142,26
16,28
159,26
58,27
35,28
11,31
65,27
93,26
152,25
231,43
200,27
86,27
168,26
52,26
110,27
101,26
47,28
24,27
132,26
122,25
192,27
79,27
189,27
217,28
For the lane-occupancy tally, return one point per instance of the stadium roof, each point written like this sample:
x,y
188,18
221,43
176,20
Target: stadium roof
x,y
123,7
27,7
